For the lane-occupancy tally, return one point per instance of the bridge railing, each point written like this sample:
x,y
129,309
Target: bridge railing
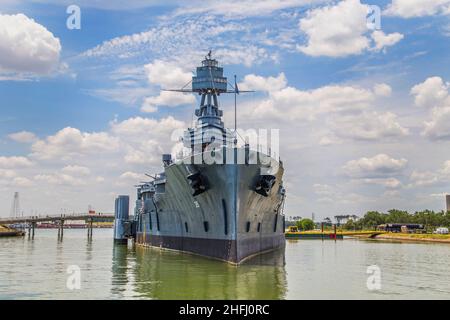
x,y
73,216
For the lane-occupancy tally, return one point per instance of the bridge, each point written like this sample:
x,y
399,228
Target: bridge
x,y
331,235
31,221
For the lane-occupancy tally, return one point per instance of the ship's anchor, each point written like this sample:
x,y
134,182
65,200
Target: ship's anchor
x,y
265,184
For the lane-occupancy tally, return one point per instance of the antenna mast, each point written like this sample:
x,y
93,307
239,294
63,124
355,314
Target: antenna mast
x,y
15,208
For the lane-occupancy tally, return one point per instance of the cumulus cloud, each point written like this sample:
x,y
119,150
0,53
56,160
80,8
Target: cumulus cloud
x,y
76,170
383,40
434,93
140,127
166,98
391,183
335,194
14,162
23,137
367,126
340,30
423,178
335,30
7,174
380,165
70,142
26,46
60,179
167,74
307,105
22,182
417,8
382,89
129,175
255,82
430,93
438,127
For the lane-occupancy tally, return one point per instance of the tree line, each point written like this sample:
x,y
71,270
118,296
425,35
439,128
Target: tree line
x,y
428,218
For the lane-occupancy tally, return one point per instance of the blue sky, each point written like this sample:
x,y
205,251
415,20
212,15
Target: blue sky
x,y
363,114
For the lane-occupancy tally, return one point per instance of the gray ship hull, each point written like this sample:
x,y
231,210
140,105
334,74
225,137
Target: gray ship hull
x,y
229,221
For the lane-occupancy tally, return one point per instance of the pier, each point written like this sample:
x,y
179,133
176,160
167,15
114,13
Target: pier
x,y
331,235
32,221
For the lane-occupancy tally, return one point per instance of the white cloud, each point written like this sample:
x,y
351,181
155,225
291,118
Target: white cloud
x,y
166,74
112,4
26,46
329,140
391,183
184,40
430,93
14,162
434,93
307,105
241,8
431,178
423,178
335,31
76,170
70,142
7,174
140,127
22,182
382,90
383,40
246,54
380,165
60,179
23,137
146,139
340,30
438,127
129,175
335,194
446,168
417,8
166,98
368,126
255,82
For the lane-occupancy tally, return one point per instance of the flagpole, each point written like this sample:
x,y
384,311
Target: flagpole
x,y
235,111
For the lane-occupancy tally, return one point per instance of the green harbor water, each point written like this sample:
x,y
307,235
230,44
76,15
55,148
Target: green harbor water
x,y
307,269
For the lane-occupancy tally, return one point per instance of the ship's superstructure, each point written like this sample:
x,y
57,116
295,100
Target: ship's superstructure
x,y
217,199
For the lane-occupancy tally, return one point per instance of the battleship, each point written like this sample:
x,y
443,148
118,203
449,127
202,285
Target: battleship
x,y
219,199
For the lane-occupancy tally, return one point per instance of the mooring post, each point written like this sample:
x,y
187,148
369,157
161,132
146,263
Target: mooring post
x,y
33,225
321,228
29,230
62,228
89,229
334,232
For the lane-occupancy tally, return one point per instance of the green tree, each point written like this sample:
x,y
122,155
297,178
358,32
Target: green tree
x,y
398,216
306,224
372,219
349,225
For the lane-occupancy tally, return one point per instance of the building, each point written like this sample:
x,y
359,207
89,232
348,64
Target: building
x,y
343,219
447,198
402,227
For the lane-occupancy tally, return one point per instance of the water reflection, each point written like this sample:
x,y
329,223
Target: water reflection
x,y
154,274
